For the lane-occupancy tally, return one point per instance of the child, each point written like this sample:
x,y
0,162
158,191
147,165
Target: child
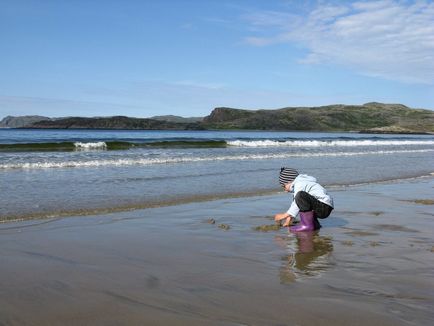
x,y
310,199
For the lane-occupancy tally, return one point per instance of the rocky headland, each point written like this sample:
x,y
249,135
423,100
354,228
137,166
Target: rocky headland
x,y
370,117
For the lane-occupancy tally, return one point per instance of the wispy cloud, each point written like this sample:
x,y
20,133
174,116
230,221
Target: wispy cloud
x,y
390,39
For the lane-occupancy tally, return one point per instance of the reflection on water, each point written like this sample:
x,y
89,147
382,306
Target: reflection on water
x,y
309,256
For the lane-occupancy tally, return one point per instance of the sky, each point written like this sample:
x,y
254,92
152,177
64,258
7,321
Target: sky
x,y
186,57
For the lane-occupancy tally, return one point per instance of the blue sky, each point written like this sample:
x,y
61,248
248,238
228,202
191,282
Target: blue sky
x,y
186,57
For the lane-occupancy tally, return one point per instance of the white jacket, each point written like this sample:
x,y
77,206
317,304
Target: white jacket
x,y
307,183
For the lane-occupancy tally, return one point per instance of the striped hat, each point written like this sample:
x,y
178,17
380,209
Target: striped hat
x,y
287,175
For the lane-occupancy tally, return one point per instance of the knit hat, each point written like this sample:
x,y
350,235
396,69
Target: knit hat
x,y
287,175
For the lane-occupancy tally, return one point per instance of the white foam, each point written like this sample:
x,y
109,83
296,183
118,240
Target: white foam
x,y
90,146
325,143
151,161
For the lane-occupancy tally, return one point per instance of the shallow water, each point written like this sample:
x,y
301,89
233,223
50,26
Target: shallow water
x,y
93,179
371,263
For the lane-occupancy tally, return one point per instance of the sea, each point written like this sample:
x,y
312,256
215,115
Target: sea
x,y
52,173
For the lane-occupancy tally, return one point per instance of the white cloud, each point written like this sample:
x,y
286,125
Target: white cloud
x,y
390,39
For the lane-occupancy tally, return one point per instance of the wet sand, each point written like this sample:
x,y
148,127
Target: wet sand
x,y
371,263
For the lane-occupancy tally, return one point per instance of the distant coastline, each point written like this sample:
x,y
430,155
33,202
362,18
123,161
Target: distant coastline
x,y
375,118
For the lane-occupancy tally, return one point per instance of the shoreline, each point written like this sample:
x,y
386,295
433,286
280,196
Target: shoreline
x,y
181,201
370,263
363,131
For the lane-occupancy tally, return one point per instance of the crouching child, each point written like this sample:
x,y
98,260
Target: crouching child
x,y
311,201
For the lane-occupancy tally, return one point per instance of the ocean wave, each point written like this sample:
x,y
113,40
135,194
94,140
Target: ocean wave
x,y
206,143
90,146
109,145
326,143
189,159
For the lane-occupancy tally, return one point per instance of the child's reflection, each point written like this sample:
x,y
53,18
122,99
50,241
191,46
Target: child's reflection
x,y
309,255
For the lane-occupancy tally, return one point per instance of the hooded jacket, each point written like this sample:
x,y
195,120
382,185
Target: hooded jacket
x,y
307,183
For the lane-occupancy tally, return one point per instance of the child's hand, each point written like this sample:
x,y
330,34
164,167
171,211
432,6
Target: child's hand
x,y
280,216
283,216
287,222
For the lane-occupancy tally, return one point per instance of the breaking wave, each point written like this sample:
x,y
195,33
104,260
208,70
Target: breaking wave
x,y
110,145
187,159
326,143
90,146
208,143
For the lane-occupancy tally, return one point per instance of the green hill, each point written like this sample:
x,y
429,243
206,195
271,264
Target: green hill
x,y
177,119
370,117
117,122
21,121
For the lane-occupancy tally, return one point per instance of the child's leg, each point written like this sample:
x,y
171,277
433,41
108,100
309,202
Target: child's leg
x,y
306,202
323,210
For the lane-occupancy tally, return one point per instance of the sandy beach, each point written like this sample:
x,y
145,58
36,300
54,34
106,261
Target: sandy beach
x,y
371,263
144,146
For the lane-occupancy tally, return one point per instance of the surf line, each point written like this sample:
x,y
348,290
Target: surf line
x,y
175,160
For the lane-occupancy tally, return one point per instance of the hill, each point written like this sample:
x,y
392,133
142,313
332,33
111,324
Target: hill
x,y
177,119
21,121
369,117
117,122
